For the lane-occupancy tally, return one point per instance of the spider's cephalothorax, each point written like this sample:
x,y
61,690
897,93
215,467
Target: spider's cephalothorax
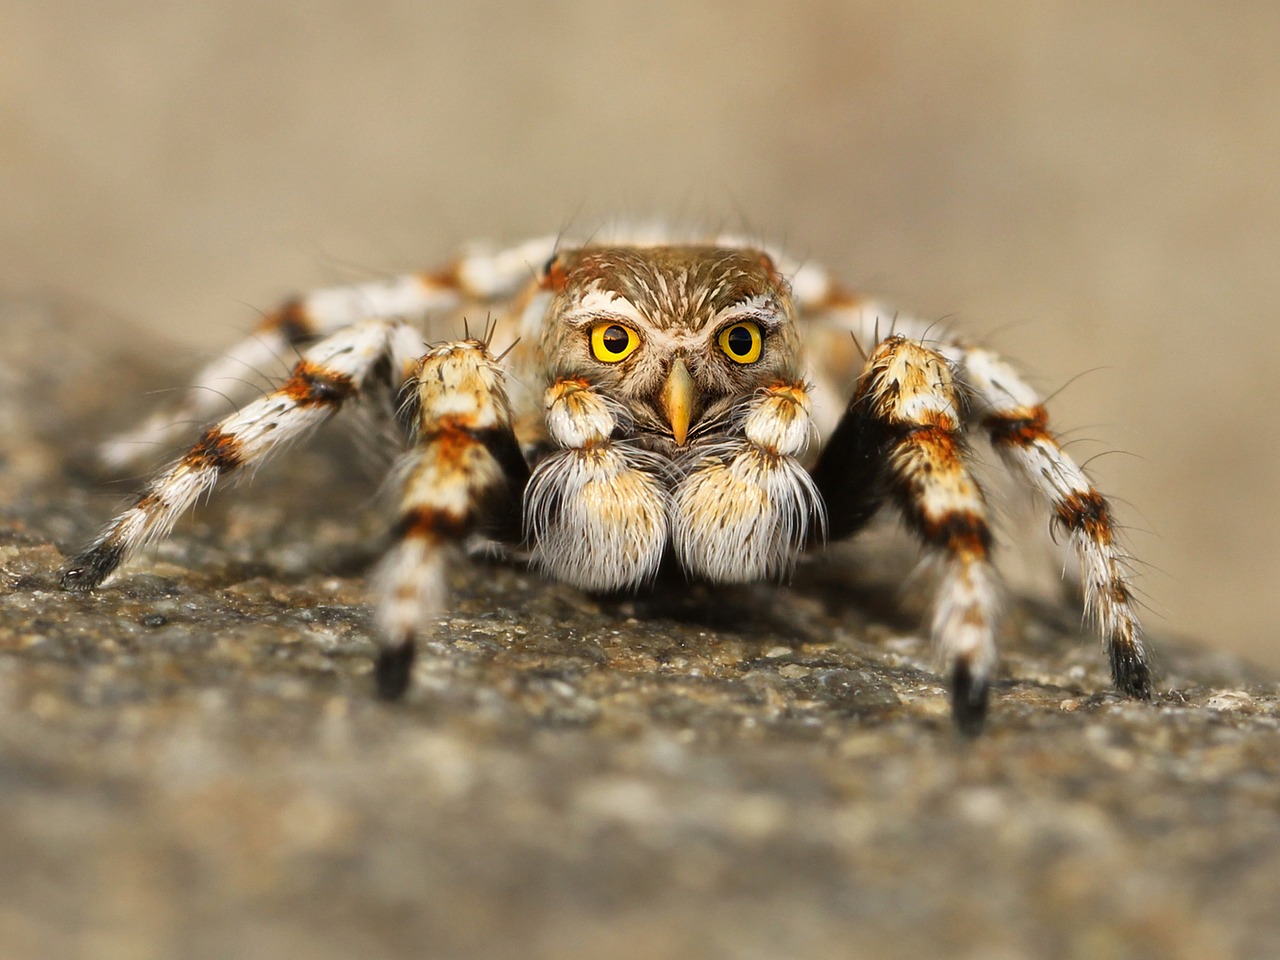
x,y
660,405
676,401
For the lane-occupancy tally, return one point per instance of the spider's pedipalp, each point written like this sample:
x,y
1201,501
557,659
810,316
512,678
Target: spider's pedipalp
x,y
328,375
745,507
596,509
1015,419
464,472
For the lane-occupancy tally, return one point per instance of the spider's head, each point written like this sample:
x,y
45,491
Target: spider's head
x,y
677,336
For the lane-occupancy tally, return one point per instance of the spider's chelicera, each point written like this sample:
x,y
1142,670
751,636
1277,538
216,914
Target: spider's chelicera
x,y
661,401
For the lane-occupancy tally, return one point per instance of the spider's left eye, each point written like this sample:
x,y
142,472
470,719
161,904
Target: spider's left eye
x,y
611,342
742,341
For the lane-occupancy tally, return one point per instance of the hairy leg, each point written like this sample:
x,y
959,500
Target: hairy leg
x,y
329,375
464,473
480,277
902,439
1015,418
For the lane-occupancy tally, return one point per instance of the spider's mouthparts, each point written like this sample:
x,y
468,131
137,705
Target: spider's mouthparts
x,y
677,400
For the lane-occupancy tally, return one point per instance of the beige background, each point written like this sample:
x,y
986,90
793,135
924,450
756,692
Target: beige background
x,y
1095,182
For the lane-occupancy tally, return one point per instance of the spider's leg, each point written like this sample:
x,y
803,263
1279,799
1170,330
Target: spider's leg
x,y
329,374
236,376
902,438
479,277
1015,418
744,507
464,472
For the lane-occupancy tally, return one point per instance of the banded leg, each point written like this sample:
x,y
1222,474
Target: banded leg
x,y
465,473
1015,418
906,415
330,374
745,508
596,509
478,277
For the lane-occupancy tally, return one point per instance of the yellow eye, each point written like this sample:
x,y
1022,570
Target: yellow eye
x,y
612,342
742,342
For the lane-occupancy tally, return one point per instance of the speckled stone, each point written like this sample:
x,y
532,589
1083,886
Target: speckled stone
x,y
192,763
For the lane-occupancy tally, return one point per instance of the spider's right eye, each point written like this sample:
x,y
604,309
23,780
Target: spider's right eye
x,y
611,342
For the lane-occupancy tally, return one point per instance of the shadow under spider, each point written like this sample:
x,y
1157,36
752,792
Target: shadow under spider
x,y
762,610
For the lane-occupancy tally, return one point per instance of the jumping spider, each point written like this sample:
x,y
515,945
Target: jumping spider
x,y
660,400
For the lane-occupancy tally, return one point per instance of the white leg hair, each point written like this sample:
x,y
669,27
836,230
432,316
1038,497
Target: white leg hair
x,y
329,375
464,469
1015,419
480,276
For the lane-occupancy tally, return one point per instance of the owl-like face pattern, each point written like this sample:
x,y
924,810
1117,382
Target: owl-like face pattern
x,y
675,401
697,329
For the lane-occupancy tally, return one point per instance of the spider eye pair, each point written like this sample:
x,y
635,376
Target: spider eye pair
x,y
613,342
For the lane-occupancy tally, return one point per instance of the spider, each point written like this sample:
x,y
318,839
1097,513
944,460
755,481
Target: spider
x,y
657,403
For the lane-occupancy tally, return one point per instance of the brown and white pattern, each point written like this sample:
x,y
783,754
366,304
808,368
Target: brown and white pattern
x,y
1014,417
909,391
465,468
329,375
656,402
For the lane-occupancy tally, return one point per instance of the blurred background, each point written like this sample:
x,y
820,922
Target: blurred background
x,y
1093,184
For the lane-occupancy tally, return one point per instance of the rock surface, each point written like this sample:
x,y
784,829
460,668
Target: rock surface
x,y
192,765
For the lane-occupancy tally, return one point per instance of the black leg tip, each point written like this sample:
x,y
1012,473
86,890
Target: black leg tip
x,y
90,568
1131,674
969,697
394,669
74,578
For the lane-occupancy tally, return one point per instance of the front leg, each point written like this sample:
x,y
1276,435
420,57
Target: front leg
x,y
901,439
465,473
1016,420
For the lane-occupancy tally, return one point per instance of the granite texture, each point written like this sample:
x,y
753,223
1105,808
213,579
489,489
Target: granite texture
x,y
192,764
